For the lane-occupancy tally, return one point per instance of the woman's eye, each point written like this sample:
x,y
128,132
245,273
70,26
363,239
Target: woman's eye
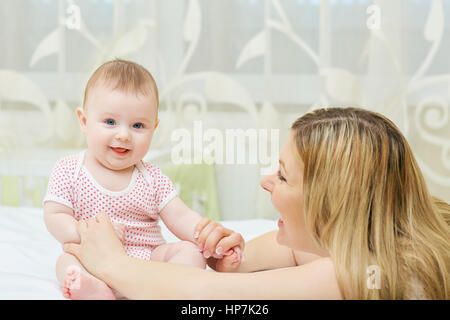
x,y
280,176
110,122
138,125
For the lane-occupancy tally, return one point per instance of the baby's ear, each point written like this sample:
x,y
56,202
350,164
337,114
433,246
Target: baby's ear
x,y
81,119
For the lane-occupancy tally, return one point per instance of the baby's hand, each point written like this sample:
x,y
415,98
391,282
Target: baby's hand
x,y
120,230
218,242
230,262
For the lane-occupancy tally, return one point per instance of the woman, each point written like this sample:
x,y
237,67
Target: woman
x,y
352,201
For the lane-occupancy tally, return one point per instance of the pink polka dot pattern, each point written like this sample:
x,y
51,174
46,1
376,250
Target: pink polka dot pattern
x,y
137,207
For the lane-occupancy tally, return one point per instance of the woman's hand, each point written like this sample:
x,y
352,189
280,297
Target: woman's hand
x,y
99,248
120,230
221,246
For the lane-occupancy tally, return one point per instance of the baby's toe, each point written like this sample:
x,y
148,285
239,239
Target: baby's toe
x,y
73,271
66,293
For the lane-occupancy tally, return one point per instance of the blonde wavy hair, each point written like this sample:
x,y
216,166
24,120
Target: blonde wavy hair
x,y
366,202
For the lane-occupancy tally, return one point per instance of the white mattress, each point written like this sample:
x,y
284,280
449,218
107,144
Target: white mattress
x,y
29,252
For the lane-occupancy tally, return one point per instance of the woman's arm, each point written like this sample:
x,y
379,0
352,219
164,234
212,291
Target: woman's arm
x,y
264,253
183,222
102,254
140,279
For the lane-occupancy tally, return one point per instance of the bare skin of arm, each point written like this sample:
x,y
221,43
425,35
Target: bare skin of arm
x,y
60,222
263,253
102,254
258,259
138,279
180,220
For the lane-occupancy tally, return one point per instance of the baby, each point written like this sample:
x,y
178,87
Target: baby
x,y
118,118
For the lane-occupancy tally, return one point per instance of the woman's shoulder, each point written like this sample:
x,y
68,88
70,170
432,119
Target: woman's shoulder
x,y
322,273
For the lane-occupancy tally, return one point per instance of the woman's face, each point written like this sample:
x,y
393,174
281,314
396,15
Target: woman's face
x,y
286,189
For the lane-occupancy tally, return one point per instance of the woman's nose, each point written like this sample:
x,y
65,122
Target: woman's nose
x,y
267,183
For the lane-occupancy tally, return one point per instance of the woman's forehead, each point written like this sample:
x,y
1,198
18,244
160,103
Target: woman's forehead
x,y
289,156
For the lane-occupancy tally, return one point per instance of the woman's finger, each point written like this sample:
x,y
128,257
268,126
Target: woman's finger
x,y
199,227
239,254
72,248
104,221
210,246
122,227
102,216
204,234
81,226
215,237
90,222
231,241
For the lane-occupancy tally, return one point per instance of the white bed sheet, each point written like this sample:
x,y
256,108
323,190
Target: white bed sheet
x,y
29,252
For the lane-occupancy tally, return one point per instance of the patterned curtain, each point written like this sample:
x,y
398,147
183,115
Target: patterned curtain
x,y
230,64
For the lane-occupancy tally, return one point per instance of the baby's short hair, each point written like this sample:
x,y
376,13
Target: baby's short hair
x,y
123,75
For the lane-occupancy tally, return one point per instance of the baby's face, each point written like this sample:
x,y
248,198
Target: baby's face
x,y
118,126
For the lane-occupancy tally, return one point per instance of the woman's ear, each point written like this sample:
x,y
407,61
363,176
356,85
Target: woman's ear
x,y
81,119
156,124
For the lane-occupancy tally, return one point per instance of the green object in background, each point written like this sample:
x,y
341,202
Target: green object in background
x,y
196,184
37,194
10,191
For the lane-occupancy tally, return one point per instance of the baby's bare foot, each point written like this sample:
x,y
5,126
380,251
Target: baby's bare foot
x,y
81,286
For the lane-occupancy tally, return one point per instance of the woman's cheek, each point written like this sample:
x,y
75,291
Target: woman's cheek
x,y
279,203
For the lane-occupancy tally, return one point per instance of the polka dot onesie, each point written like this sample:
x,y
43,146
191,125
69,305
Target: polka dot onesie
x,y
137,207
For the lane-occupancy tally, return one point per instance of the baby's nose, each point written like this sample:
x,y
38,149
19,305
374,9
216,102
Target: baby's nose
x,y
123,134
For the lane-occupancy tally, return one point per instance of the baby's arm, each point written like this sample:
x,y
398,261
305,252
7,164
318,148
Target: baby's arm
x,y
63,226
184,222
180,219
60,222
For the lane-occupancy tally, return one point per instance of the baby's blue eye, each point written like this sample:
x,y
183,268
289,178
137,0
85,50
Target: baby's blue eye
x,y
110,122
138,125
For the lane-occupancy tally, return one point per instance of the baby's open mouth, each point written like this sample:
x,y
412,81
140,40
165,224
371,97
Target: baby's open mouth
x,y
120,151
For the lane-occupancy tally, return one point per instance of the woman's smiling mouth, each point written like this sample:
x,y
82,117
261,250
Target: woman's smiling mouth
x,y
280,223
